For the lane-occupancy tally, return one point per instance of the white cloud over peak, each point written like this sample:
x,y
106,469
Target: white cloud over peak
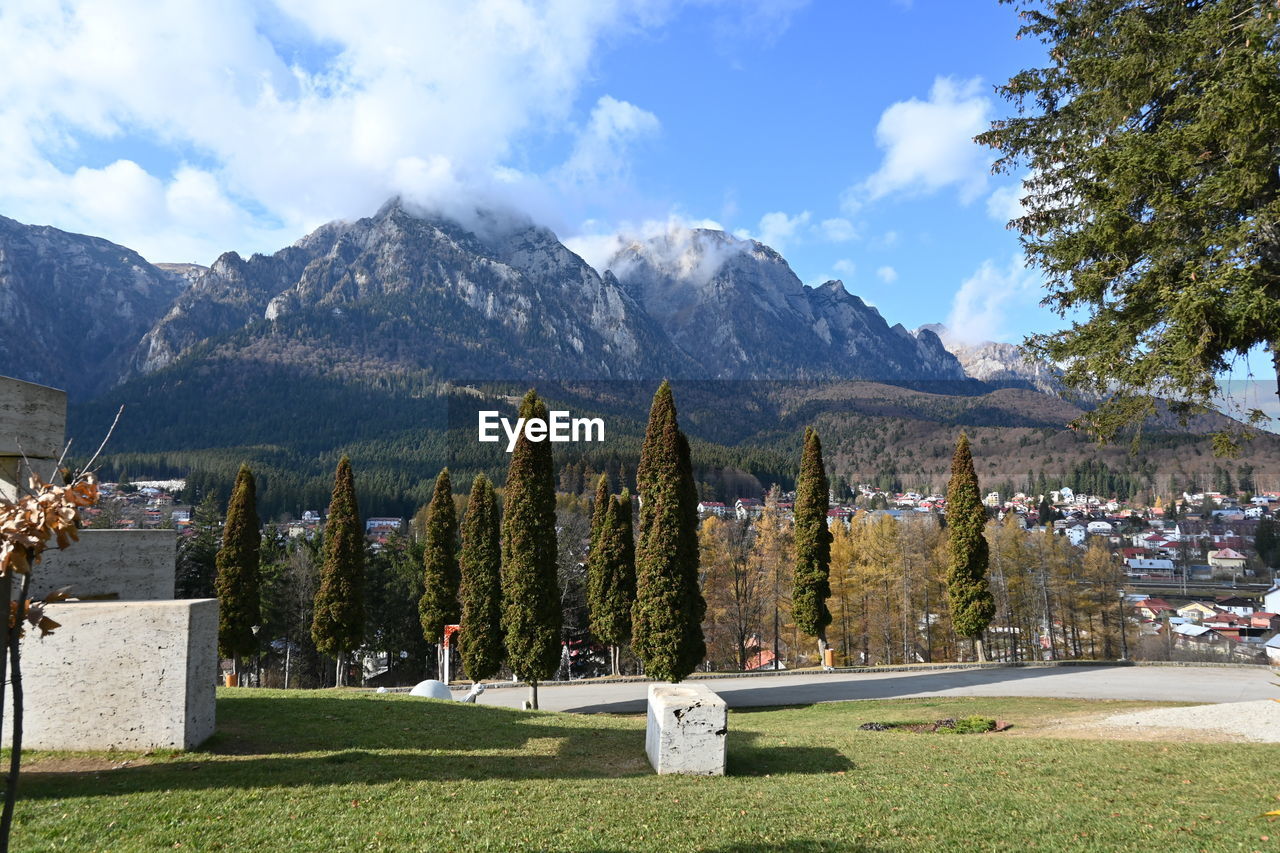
x,y
981,305
598,242
928,145
185,128
887,274
777,230
599,155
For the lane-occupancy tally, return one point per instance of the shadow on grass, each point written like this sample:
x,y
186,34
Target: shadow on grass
x,y
747,757
310,739
799,845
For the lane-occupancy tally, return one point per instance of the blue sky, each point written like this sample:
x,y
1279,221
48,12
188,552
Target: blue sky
x,y
835,130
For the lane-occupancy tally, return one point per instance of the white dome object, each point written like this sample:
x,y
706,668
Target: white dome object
x,y
431,689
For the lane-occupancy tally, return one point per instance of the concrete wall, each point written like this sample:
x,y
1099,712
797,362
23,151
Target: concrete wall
x,y
33,423
33,419
132,565
116,675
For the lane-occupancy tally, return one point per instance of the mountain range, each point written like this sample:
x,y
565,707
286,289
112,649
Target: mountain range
x,y
380,337
502,299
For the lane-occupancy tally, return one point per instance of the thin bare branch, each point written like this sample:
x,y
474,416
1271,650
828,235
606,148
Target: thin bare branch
x,y
89,465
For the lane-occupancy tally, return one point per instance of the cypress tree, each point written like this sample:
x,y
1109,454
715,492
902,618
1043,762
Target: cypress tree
x,y
611,577
666,619
811,586
480,642
599,508
531,615
439,603
972,605
337,626
237,564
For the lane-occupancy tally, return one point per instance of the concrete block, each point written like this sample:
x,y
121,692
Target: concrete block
x,y
131,565
688,726
121,675
33,419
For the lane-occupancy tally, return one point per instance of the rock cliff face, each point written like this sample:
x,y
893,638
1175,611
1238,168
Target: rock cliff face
x,y
737,309
405,289
72,308
997,364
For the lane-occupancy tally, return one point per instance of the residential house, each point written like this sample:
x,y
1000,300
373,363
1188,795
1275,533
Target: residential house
x,y
382,526
1273,650
715,508
1266,622
1154,608
1227,559
747,508
1271,599
1197,611
1237,605
1138,566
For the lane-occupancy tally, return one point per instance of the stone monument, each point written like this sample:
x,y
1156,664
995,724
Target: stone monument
x,y
130,668
688,725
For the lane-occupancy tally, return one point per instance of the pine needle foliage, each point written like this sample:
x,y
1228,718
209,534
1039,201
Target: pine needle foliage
x,y
968,592
237,581
337,626
480,642
812,579
531,615
1151,196
667,616
439,603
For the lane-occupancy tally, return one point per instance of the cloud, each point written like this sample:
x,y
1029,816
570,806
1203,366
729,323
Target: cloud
x,y
928,145
777,230
838,230
598,156
185,128
673,242
845,267
1005,203
979,307
756,23
887,274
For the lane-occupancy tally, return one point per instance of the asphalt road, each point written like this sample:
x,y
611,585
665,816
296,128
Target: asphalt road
x,y
1154,683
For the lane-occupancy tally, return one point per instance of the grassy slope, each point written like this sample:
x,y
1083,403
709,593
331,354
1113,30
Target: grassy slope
x,y
338,771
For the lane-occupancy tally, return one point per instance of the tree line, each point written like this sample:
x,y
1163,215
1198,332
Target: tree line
x,y
529,574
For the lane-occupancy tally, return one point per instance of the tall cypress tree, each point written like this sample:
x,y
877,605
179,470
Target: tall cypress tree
x,y
611,577
811,586
337,627
972,605
531,615
667,616
237,582
480,642
439,603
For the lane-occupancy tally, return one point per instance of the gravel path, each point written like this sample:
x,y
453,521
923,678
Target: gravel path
x,y
1255,721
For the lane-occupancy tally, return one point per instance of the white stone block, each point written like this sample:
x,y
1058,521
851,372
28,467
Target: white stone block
x,y
688,726
121,675
129,565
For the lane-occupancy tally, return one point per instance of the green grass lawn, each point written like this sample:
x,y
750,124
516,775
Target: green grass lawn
x,y
345,770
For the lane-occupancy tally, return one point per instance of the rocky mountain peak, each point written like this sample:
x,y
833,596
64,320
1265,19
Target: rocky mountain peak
x,y
1000,364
